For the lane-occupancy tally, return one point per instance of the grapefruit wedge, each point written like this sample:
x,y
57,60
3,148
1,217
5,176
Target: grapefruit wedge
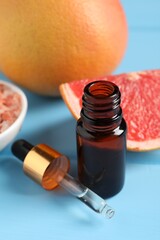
x,y
140,101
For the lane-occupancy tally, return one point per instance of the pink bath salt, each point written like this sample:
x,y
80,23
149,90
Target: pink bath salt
x,y
10,107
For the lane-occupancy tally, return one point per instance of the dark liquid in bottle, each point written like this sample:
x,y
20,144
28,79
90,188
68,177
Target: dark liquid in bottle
x,y
101,169
101,139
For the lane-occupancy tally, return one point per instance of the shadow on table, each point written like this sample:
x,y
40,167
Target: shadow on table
x,y
16,183
60,136
36,101
13,177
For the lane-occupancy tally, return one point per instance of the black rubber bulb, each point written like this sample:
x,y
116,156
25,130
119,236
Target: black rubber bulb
x,y
20,149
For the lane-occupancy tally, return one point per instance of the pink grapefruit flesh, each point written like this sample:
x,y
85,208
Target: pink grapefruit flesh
x,y
140,102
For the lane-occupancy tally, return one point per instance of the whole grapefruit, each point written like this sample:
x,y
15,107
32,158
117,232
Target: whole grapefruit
x,y
45,43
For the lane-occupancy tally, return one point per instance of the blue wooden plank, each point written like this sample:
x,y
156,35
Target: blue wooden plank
x,y
142,14
143,52
29,212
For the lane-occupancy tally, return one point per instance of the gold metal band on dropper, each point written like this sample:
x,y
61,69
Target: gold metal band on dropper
x,y
45,166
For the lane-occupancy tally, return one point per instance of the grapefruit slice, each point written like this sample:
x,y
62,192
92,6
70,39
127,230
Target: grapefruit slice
x,y
140,101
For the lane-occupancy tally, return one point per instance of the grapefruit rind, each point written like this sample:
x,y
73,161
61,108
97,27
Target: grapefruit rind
x,y
147,145
70,99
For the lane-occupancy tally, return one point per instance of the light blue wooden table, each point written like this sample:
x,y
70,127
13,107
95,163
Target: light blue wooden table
x,y
27,212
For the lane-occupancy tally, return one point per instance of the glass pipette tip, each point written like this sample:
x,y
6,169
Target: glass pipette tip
x,y
87,196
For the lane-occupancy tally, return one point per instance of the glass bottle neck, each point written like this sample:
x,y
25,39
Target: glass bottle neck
x,y
101,109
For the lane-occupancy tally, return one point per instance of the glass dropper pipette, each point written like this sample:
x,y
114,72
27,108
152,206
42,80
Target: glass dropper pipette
x,y
50,169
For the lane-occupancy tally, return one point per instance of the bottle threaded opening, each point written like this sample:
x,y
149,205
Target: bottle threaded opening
x,y
101,105
100,89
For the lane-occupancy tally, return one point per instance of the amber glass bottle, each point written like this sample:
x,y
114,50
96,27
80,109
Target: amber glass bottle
x,y
101,139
